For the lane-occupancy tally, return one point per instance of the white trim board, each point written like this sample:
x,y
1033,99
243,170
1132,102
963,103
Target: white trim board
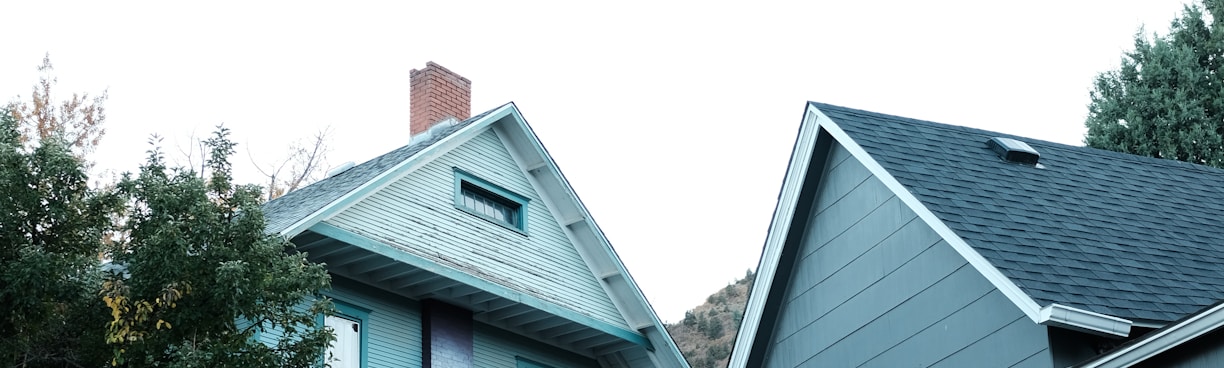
x,y
1194,326
775,239
537,165
813,124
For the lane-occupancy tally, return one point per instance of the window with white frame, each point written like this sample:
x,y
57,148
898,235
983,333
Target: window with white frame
x,y
348,350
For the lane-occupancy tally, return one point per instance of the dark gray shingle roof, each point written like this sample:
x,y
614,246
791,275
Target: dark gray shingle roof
x,y
294,206
1124,235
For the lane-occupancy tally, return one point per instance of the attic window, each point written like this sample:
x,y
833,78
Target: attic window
x,y
490,202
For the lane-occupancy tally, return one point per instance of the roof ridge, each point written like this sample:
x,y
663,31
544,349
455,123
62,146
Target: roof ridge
x,y
1030,140
285,210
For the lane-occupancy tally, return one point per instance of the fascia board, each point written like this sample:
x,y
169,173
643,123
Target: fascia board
x,y
1161,340
396,172
975,259
1082,320
784,212
568,194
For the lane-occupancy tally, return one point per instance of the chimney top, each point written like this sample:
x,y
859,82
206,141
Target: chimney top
x,y
437,94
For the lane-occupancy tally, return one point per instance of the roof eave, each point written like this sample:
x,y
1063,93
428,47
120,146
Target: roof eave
x,y
1081,320
784,212
815,122
1161,340
539,166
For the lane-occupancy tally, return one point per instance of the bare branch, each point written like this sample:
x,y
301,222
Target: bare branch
x,y
305,162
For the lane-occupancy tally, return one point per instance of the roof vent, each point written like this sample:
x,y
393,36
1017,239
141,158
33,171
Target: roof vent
x,y
433,130
1012,150
340,169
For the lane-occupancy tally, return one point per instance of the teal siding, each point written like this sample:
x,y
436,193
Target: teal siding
x,y
393,324
497,348
393,327
270,336
418,214
875,286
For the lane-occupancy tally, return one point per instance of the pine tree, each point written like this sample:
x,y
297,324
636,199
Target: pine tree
x,y
1167,98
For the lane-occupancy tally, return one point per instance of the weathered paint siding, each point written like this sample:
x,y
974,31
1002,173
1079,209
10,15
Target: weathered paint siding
x,y
875,286
497,348
418,215
394,325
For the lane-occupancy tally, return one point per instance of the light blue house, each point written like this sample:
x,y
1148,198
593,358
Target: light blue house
x,y
468,248
905,243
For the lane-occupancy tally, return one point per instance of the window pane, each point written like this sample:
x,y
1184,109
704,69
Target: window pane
x,y
493,206
345,351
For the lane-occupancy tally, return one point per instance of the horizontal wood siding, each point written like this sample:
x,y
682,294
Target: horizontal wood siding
x,y
394,325
875,286
418,215
270,336
497,348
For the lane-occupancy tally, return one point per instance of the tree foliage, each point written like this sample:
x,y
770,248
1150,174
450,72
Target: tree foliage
x,y
51,226
1167,98
201,277
77,120
169,267
706,333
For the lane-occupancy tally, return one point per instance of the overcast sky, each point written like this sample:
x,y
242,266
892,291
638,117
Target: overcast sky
x,y
672,120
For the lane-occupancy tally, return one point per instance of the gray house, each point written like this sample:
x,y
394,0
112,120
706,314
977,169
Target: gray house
x,y
467,248
900,242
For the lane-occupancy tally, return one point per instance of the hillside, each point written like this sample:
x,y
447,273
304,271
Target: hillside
x,y
706,333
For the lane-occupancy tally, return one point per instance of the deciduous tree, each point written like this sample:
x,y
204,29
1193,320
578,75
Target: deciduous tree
x,y
77,120
305,164
51,229
201,278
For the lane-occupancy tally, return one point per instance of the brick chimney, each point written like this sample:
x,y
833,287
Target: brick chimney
x,y
437,94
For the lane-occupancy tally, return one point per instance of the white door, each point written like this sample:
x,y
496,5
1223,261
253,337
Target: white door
x,y
345,352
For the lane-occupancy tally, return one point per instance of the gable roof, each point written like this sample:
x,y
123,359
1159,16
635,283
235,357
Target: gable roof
x,y
305,210
295,206
1091,239
1112,233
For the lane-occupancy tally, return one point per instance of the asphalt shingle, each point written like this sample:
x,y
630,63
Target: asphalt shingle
x,y
1124,235
283,212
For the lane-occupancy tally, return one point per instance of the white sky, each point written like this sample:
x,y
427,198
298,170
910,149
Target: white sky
x,y
672,120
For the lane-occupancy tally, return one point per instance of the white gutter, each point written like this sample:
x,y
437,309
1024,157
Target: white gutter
x,y
1082,320
1162,340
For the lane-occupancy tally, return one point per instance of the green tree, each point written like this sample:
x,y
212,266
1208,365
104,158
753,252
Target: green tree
x,y
200,277
1167,98
51,226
